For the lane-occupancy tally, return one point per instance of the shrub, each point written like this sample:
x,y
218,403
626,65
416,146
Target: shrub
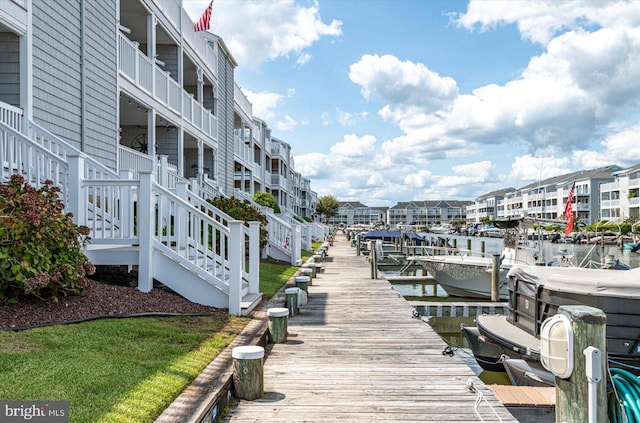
x,y
267,200
243,210
40,246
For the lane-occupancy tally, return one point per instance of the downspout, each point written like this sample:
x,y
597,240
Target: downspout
x,y
83,100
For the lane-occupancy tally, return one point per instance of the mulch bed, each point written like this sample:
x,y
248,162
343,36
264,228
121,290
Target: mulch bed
x,y
101,299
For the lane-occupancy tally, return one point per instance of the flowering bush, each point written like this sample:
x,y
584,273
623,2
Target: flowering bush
x,y
40,246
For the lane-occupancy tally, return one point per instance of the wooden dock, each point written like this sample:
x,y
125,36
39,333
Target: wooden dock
x,y
355,353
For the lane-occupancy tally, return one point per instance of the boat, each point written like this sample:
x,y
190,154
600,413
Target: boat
x,y
489,355
536,293
465,275
527,373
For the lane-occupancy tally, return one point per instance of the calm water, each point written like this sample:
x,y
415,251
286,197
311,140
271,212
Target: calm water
x,y
449,327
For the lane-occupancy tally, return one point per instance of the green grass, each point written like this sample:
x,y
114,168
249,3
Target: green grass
x,y
121,370
114,370
274,276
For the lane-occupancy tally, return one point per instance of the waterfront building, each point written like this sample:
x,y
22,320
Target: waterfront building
x,y
354,213
487,206
620,199
546,199
428,213
125,106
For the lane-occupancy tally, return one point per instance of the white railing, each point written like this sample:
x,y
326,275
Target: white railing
x,y
242,101
93,169
11,116
140,69
34,162
136,161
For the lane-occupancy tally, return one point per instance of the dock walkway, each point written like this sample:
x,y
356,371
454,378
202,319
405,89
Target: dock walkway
x,y
356,354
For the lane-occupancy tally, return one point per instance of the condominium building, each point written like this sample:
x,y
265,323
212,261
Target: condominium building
x,y
620,199
428,213
125,106
546,199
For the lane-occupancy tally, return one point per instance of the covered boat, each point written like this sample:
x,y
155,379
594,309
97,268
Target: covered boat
x,y
536,293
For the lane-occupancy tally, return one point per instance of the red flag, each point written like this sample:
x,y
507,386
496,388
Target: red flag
x,y
568,211
204,22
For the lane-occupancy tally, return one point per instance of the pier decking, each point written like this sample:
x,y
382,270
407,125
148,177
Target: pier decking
x,y
355,354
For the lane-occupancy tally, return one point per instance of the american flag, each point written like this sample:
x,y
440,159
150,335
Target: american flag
x,y
568,210
204,22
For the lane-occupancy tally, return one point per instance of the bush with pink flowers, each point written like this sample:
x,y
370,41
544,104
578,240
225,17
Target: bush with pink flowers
x,y
40,246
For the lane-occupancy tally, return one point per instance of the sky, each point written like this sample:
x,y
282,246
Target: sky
x,y
384,101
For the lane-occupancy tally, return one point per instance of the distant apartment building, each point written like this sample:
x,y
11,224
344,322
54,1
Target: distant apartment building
x,y
352,213
433,212
620,199
546,199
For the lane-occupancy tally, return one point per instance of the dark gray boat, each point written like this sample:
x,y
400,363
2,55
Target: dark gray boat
x,y
535,293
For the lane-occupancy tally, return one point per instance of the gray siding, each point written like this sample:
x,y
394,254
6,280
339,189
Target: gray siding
x,y
225,124
101,73
57,77
10,68
56,68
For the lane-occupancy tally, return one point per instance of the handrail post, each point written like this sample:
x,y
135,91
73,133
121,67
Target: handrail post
x,y
254,257
76,192
146,208
236,255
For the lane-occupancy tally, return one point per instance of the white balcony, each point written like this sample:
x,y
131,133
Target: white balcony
x,y
147,76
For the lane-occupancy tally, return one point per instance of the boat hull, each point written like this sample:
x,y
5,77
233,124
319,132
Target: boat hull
x,y
469,279
487,354
527,373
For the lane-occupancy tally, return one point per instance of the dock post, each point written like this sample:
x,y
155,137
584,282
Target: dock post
x,y
291,300
589,326
373,254
302,282
248,373
455,244
495,278
278,324
482,248
468,244
357,245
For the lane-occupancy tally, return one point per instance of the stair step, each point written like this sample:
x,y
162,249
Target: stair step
x,y
249,302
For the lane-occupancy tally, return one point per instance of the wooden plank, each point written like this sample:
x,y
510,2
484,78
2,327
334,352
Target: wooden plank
x,y
525,395
355,353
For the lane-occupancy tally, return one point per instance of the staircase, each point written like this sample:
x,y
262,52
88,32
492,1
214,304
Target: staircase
x,y
172,235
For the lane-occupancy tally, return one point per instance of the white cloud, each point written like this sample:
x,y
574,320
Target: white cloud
x,y
303,59
286,124
349,119
264,105
278,28
527,168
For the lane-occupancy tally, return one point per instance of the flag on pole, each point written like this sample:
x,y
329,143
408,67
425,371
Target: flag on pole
x,y
568,210
204,22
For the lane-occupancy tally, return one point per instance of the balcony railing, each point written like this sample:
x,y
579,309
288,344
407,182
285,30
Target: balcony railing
x,y
138,68
11,116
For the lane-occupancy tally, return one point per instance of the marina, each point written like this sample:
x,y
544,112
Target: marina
x,y
355,353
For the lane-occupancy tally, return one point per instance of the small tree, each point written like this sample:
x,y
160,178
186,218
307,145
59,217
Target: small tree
x,y
267,200
328,205
40,247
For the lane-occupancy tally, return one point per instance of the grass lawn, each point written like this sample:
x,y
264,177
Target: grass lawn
x,y
120,370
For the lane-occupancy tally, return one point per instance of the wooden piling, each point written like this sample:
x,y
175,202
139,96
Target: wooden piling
x,y
291,300
278,318
248,379
495,278
302,282
589,328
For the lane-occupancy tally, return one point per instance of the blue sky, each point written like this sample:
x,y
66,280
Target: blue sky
x,y
395,100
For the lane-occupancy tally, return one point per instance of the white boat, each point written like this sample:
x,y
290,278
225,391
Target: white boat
x,y
465,275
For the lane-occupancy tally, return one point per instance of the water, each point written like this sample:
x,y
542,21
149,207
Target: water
x,y
449,327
